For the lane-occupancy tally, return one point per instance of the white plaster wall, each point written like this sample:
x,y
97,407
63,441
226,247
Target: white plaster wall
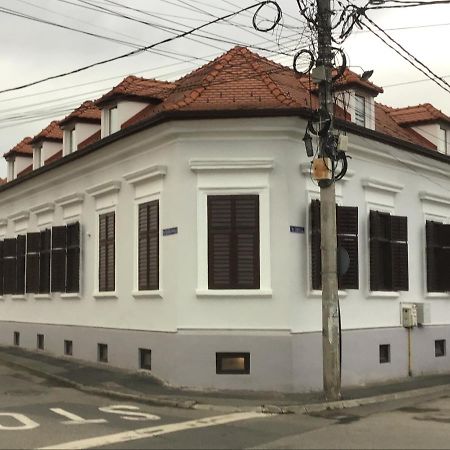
x,y
430,132
291,306
49,149
125,110
20,163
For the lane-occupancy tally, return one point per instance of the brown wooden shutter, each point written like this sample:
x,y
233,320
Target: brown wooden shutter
x,y
233,242
399,253
148,246
20,268
432,255
44,261
9,265
376,259
58,260
316,257
73,257
347,238
1,267
32,262
107,252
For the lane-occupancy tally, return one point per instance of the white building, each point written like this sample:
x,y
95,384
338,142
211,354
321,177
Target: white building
x,y
172,230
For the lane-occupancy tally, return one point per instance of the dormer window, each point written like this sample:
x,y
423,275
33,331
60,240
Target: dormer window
x,y
37,157
113,120
360,110
444,138
71,145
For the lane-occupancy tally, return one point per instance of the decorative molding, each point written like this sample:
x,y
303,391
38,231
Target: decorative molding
x,y
3,223
20,216
70,200
145,175
42,209
197,165
108,188
381,185
434,198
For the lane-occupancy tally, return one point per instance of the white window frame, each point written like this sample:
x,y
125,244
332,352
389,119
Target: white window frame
x,y
360,101
233,177
110,124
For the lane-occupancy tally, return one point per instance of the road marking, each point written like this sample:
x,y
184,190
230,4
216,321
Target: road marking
x,y
74,419
27,423
126,412
143,433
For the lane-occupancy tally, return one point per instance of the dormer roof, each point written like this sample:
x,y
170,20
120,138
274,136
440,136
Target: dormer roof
x,y
352,79
419,114
136,88
88,112
23,148
52,133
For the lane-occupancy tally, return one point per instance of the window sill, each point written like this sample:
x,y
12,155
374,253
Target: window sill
x,y
383,294
105,295
18,297
437,295
318,294
71,295
234,292
147,294
42,296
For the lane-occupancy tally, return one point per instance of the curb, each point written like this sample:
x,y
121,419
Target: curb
x,y
265,409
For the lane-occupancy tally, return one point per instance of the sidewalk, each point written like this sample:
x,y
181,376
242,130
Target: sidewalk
x,y
118,383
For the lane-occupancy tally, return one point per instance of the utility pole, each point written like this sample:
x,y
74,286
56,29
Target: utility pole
x,y
330,305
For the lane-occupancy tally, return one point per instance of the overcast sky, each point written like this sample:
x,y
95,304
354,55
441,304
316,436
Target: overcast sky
x,y
32,51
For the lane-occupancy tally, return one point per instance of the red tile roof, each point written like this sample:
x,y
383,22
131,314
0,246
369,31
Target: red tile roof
x,y
139,88
23,148
419,114
52,132
87,112
350,78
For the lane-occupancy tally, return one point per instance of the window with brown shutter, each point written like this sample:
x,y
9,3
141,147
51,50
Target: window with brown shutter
x,y
388,252
20,267
347,238
1,267
32,262
73,257
44,261
233,242
106,273
9,266
148,246
58,259
438,256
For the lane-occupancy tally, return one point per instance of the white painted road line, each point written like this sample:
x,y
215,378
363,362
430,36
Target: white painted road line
x,y
143,433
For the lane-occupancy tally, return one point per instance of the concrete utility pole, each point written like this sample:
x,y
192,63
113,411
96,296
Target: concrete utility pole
x,y
330,310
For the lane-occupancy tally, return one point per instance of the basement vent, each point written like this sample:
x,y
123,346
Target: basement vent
x,y
233,363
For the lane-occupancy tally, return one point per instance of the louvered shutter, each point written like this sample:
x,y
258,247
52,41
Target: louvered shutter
x,y
32,262
58,259
107,252
1,268
20,268
375,233
9,266
148,246
233,242
399,253
73,257
442,256
347,238
44,261
246,263
316,258
432,255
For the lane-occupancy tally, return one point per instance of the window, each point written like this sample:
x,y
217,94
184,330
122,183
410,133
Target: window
x,y
385,353
438,256
58,264
444,144
106,263
360,110
102,352
73,257
233,363
145,358
16,338
1,269
71,145
40,341
44,261
347,239
439,348
32,262
14,265
37,157
113,120
388,252
68,348
233,242
148,246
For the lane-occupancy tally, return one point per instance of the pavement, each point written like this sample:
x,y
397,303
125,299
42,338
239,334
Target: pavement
x,y
142,387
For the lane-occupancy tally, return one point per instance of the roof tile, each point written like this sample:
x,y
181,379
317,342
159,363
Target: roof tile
x,y
86,112
52,132
23,148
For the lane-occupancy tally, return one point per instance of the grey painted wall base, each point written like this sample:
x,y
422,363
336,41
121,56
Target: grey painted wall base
x,y
280,361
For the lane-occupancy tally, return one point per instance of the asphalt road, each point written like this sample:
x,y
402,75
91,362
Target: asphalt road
x,y
36,413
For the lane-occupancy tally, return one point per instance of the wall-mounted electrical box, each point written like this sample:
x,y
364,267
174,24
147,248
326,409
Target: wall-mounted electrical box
x,y
423,313
409,315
